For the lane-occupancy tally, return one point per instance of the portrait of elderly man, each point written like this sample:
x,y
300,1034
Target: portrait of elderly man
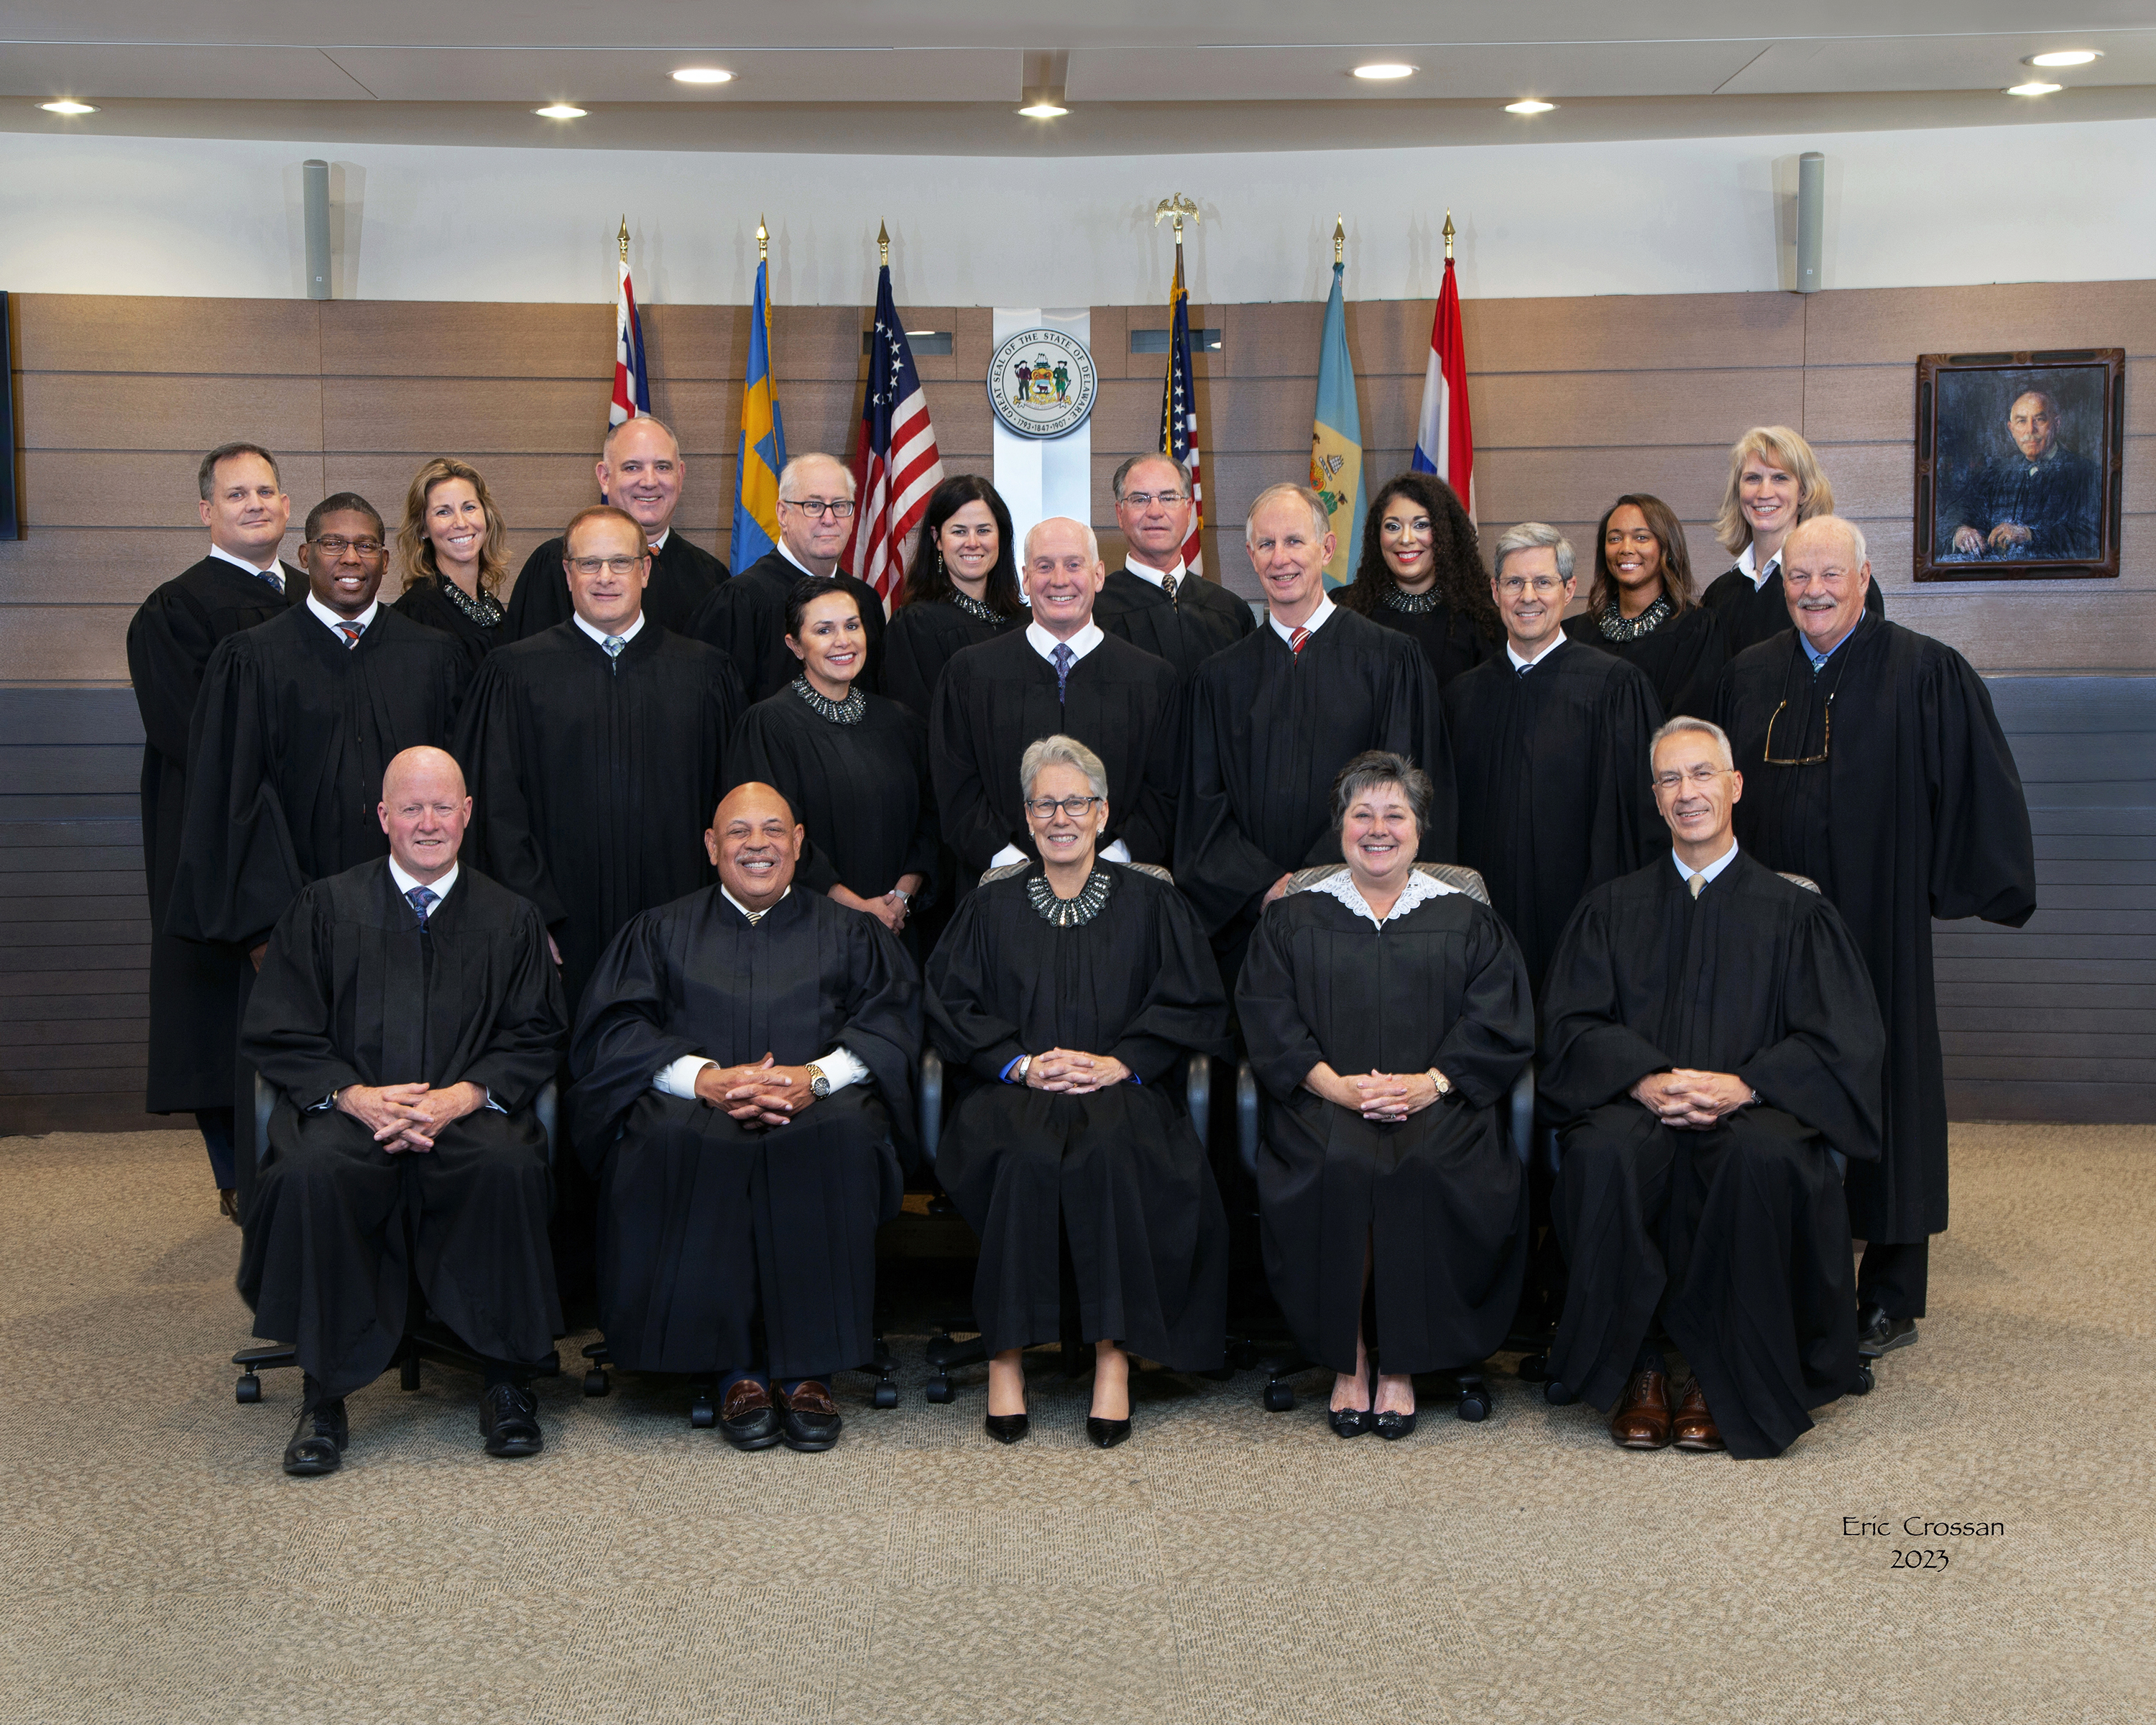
x,y
2036,499
408,1014
1711,1037
742,1057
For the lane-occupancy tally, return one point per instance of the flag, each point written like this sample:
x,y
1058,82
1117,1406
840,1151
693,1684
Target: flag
x,y
1178,408
762,451
1444,440
897,465
632,383
1335,438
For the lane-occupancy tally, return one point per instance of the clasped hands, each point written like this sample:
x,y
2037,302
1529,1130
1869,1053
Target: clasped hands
x,y
1970,541
1692,1100
1074,1073
409,1117
890,909
1389,1096
763,1093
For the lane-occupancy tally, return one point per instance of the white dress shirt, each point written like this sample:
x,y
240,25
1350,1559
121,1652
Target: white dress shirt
x,y
272,570
635,628
1520,665
334,624
440,888
1313,623
1757,577
1044,644
1158,577
1711,869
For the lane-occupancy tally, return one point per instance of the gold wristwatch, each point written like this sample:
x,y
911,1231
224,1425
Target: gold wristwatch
x,y
819,1085
1443,1084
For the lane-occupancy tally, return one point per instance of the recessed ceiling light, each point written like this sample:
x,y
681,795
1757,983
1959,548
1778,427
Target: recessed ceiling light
x,y
1385,69
703,75
1529,105
66,105
2065,56
559,111
2035,87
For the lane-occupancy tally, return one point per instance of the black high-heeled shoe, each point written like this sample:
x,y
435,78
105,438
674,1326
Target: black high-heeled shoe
x,y
1392,1427
1008,1427
1349,1422
1107,1434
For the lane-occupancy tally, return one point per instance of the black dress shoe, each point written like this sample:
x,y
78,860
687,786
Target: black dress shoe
x,y
1350,1422
1876,1333
227,1204
1008,1427
747,1419
1107,1434
318,1439
812,1417
509,1420
1392,1427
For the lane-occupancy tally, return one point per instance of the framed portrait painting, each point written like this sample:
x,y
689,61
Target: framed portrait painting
x,y
2018,463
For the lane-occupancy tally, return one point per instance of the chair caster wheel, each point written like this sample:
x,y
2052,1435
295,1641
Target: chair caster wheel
x,y
248,1389
885,1396
1865,1382
1558,1395
702,1415
596,1383
1474,1404
939,1390
1280,1398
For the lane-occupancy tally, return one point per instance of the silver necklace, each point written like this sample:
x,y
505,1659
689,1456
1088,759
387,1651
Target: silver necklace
x,y
972,606
848,711
1414,603
485,610
1615,626
1069,912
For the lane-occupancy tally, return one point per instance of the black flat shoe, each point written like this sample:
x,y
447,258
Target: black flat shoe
x,y
1350,1422
318,1439
1008,1427
509,1421
1392,1427
1107,1434
1876,1333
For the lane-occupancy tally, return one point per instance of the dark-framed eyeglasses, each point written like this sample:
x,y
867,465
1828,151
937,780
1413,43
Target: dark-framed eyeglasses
x,y
335,545
1826,739
813,507
588,567
1044,808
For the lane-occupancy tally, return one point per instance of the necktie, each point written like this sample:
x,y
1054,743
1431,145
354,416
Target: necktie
x,y
1295,639
1528,667
351,632
421,898
1168,583
1062,657
1698,883
613,644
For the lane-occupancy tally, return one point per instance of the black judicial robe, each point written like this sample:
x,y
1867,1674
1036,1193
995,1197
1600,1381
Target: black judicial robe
x,y
1917,813
1743,1227
355,990
704,1223
1750,615
1121,1170
682,577
424,602
921,640
1452,641
194,986
593,780
1553,777
745,619
996,699
1270,729
1682,657
1204,617
1440,1197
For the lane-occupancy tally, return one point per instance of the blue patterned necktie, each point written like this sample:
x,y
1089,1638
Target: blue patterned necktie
x,y
1063,657
422,898
613,644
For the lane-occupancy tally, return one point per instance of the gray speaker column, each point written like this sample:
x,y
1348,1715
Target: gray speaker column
x,y
315,177
1811,220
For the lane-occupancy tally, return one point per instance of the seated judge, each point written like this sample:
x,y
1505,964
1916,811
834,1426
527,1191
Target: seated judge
x,y
409,1015
1388,1014
1642,606
1775,484
452,547
641,472
745,619
1155,601
1551,750
1421,573
854,766
962,590
1711,1035
1061,675
2042,500
743,1057
1068,990
1273,719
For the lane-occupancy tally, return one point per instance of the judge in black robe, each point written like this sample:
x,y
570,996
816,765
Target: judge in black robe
x,y
1107,961
1726,1221
456,1014
1908,809
1421,574
1640,560
926,634
194,985
1384,1047
721,1201
1552,762
1775,483
1751,609
961,590
478,626
1155,601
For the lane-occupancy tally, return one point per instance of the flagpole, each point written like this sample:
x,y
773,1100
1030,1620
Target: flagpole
x,y
622,238
1179,407
1448,236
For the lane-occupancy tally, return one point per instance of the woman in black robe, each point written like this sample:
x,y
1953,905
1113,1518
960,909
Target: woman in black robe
x,y
853,765
1069,989
1386,1015
1644,606
962,590
1775,484
454,548
1422,574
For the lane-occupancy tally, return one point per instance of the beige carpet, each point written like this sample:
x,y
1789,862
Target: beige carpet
x,y
1226,1564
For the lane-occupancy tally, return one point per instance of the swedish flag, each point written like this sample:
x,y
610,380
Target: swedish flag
x,y
762,451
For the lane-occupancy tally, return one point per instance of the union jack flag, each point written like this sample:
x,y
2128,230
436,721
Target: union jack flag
x,y
1179,410
897,465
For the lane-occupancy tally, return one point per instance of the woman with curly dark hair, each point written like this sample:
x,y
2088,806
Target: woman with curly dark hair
x,y
1422,574
1643,606
962,590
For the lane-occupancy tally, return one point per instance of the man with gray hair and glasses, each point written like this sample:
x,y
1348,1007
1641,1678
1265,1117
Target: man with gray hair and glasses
x,y
1549,750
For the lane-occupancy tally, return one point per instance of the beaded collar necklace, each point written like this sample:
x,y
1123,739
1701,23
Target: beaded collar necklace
x,y
848,711
1069,912
1617,627
972,606
485,610
1414,603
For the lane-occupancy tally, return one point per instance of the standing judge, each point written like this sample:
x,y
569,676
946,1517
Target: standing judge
x,y
1642,605
452,547
194,985
1068,988
1551,750
409,1015
1421,573
1774,485
1061,675
740,1060
1712,1037
1876,767
962,590
1388,1014
1153,601
641,472
1274,718
745,619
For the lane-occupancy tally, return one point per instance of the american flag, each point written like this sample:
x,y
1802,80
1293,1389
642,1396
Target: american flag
x,y
1178,409
632,383
897,465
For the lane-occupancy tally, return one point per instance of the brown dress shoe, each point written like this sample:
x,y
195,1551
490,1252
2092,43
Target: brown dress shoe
x,y
812,1417
227,1204
1696,1429
1642,1419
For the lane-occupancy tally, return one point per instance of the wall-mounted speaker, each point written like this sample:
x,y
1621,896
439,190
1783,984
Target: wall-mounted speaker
x,y
1811,220
315,178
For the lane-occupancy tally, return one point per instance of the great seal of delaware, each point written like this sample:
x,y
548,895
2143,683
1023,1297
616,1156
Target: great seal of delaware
x,y
1041,383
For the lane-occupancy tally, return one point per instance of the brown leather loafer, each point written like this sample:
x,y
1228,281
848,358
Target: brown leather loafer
x,y
1695,1427
812,1417
747,1421
1642,1419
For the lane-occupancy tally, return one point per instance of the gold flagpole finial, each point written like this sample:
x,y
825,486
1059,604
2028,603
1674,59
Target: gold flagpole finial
x,y
622,239
1339,239
763,241
1179,206
1448,236
883,243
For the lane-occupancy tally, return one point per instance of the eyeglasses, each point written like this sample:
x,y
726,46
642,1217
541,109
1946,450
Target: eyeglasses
x,y
612,566
335,545
1044,808
1701,775
1826,739
1513,586
1146,499
813,507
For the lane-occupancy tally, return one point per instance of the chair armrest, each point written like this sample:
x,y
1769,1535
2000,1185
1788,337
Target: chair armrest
x,y
1197,1094
1246,1117
1523,1113
931,1104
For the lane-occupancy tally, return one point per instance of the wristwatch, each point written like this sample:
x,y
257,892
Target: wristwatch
x,y
1443,1084
818,1084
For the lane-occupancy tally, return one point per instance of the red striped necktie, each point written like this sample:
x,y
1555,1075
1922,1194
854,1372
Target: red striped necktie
x,y
351,632
1295,639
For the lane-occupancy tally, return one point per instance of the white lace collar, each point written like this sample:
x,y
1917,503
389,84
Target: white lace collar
x,y
1420,889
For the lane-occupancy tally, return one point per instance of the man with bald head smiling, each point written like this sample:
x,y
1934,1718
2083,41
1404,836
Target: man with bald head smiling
x,y
1061,675
743,1059
1874,764
409,1015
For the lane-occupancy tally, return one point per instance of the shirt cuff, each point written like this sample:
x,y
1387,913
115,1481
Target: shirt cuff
x,y
679,1078
1010,1067
843,1067
1116,852
1009,855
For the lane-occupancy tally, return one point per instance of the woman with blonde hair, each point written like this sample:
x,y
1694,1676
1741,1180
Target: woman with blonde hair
x,y
452,547
1775,483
